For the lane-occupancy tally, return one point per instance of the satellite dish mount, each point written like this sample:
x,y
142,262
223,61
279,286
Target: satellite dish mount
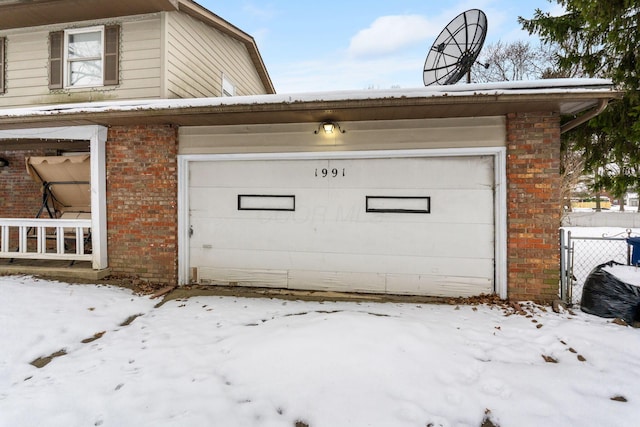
x,y
456,49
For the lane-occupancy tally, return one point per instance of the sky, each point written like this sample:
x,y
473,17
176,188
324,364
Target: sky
x,y
353,45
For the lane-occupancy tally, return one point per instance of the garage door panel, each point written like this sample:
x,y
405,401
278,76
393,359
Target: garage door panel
x,y
320,205
410,284
360,238
295,279
340,281
463,206
413,173
223,202
244,276
343,262
330,241
446,206
259,174
437,285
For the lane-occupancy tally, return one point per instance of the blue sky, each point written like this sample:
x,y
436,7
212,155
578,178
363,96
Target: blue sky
x,y
343,45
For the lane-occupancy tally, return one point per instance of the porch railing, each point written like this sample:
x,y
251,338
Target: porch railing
x,y
52,239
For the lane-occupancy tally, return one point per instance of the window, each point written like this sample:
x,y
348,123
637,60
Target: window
x,y
2,61
84,57
228,88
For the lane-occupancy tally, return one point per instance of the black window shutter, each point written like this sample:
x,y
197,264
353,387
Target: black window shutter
x,y
2,61
111,55
56,59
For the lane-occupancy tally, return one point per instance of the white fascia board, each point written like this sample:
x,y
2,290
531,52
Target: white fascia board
x,y
551,86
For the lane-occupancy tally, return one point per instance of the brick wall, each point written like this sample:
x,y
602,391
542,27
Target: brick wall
x,y
533,206
141,202
20,194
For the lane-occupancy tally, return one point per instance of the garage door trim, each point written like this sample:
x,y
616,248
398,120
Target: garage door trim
x,y
500,196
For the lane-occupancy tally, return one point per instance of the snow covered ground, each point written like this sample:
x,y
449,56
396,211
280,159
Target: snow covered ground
x,y
225,361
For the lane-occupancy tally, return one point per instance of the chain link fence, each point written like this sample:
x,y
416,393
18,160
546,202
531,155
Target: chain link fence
x,y
581,254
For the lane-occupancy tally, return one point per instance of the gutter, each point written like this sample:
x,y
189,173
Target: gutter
x,y
602,104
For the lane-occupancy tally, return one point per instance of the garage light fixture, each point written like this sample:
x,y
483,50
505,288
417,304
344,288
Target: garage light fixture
x,y
328,128
4,163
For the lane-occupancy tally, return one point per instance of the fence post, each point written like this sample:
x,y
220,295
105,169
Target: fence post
x,y
569,262
628,248
563,266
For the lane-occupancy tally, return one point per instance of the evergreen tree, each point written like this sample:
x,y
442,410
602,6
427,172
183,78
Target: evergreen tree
x,y
603,40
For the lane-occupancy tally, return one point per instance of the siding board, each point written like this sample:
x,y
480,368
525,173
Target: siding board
x,y
140,63
196,63
26,74
142,56
299,137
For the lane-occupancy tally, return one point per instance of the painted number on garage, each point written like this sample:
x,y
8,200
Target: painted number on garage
x,y
330,173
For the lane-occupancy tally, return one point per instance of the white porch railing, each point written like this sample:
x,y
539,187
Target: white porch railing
x,y
53,239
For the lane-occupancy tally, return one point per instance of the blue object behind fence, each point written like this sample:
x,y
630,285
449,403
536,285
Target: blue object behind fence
x,y
635,244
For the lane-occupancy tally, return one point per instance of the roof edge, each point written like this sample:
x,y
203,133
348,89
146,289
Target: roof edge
x,y
342,106
577,88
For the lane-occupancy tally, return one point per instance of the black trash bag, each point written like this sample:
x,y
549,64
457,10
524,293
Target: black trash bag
x,y
607,296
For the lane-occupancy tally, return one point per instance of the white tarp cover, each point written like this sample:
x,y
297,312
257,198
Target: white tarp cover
x,y
68,178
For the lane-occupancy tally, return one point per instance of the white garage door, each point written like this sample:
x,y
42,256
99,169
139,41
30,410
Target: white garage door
x,y
422,226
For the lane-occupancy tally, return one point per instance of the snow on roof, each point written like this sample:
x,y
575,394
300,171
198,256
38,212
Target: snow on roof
x,y
548,86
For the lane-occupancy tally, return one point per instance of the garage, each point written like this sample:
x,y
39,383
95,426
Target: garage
x,y
419,222
242,190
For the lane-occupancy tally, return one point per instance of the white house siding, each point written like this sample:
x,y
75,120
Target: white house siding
x,y
198,56
27,59
141,59
27,64
367,135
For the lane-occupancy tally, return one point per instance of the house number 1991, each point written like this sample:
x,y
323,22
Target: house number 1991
x,y
329,173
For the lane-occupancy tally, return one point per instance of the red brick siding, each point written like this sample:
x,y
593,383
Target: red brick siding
x,y
21,196
533,206
142,187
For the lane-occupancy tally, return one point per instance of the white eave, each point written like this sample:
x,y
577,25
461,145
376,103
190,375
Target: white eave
x,y
566,96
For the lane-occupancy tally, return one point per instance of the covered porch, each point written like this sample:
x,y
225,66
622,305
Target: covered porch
x,y
65,234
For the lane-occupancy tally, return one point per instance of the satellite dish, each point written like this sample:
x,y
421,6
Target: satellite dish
x,y
456,49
